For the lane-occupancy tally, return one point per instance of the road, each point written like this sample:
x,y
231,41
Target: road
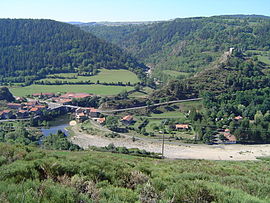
x,y
9,120
52,105
56,105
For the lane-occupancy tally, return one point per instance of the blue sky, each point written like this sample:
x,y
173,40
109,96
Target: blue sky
x,y
128,10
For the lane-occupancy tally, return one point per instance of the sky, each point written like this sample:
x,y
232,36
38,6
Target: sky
x,y
127,10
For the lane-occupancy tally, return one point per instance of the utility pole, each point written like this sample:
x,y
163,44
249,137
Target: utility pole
x,y
163,139
163,146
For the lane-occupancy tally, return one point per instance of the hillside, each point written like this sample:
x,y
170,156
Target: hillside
x,y
29,174
31,49
237,72
6,95
187,45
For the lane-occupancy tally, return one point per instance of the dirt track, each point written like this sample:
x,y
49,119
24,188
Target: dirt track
x,y
208,152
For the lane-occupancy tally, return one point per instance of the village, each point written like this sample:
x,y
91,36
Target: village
x,y
39,104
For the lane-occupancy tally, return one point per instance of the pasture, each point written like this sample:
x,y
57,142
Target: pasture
x,y
104,76
103,90
174,73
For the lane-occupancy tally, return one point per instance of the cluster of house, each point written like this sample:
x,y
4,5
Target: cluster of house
x,y
64,98
229,138
84,113
22,110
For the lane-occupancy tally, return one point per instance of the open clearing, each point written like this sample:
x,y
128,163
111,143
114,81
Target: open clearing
x,y
174,73
183,151
263,56
105,75
168,114
104,90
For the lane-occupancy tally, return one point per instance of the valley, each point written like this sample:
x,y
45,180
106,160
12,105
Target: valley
x,y
166,111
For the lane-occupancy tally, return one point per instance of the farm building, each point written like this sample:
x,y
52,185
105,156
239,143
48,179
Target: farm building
x,y
182,126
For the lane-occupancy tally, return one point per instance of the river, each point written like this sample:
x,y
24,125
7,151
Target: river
x,y
61,123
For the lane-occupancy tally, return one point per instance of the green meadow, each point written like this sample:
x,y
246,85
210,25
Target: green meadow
x,y
105,75
103,90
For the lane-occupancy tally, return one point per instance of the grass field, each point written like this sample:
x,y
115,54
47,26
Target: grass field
x,y
265,59
145,92
104,75
263,56
94,89
174,114
174,73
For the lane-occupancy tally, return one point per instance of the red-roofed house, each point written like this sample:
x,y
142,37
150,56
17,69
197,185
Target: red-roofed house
x,y
127,120
41,106
6,114
238,118
30,104
14,105
65,101
80,117
35,111
101,120
181,126
230,139
22,114
94,113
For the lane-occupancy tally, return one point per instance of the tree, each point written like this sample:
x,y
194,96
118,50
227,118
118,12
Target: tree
x,y
258,117
112,123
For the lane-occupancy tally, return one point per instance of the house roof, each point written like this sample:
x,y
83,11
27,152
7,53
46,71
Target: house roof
x,y
65,100
184,126
81,115
13,104
230,137
101,120
31,103
6,111
22,111
238,117
34,109
93,110
127,118
40,106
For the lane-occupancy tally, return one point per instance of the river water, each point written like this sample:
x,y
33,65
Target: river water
x,y
60,123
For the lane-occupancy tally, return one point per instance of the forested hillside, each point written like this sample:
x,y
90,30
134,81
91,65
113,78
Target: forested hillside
x,y
236,73
6,95
187,45
31,49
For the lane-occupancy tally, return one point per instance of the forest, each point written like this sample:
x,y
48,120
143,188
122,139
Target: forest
x,y
186,45
31,49
238,72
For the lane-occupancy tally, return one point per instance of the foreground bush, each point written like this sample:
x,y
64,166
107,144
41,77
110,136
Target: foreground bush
x,y
33,175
